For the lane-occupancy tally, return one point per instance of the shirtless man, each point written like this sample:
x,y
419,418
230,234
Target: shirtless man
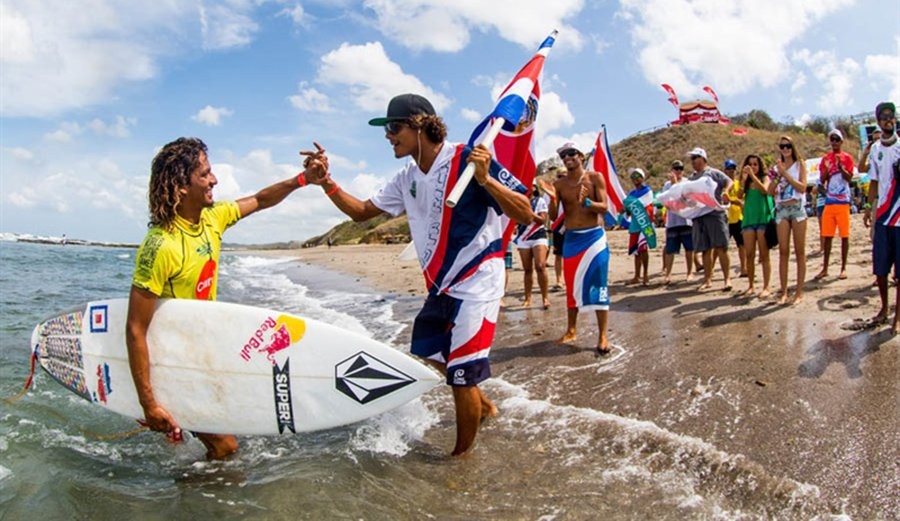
x,y
585,251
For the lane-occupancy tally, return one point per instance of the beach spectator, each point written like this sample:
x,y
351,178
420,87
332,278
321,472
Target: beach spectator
x,y
818,194
735,212
637,243
558,229
531,241
757,213
864,157
678,232
461,263
788,186
179,258
884,196
710,230
835,173
582,195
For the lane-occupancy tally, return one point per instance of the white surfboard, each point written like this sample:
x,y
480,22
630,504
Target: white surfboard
x,y
228,368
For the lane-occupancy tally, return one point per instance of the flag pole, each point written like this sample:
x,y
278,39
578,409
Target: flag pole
x,y
467,174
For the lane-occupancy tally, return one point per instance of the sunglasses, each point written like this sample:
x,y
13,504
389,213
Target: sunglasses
x,y
835,139
394,127
785,146
885,116
568,153
679,168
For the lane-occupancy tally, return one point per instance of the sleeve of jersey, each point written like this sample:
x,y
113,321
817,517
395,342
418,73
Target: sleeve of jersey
x,y
505,178
390,198
154,264
225,214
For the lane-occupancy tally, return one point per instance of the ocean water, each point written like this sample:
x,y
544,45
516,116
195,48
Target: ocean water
x,y
537,460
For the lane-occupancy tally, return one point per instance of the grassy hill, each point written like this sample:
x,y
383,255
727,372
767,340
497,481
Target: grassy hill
x,y
653,152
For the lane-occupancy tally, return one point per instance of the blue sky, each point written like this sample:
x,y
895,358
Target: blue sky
x,y
89,90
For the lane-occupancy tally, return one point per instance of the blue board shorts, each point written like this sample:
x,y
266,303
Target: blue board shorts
x,y
678,236
886,251
458,333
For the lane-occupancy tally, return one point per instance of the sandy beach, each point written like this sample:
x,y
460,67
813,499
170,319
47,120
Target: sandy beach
x,y
800,390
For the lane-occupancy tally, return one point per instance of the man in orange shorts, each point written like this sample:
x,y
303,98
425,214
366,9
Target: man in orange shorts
x,y
835,172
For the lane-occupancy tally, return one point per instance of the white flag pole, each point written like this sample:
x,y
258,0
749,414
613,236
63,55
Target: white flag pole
x,y
467,174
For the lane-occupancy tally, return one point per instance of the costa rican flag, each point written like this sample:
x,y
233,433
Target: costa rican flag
x,y
518,106
603,164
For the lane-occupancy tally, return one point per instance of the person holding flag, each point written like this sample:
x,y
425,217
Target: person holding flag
x,y
460,249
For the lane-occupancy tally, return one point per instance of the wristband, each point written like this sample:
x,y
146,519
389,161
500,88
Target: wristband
x,y
301,179
333,190
587,202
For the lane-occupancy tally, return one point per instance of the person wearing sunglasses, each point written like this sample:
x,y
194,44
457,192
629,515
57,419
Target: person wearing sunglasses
x,y
835,173
788,186
582,196
637,243
884,196
710,230
460,249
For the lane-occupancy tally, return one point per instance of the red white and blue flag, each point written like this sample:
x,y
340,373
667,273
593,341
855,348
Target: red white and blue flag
x,y
603,164
518,106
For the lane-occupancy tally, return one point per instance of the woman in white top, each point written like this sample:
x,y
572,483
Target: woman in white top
x,y
789,189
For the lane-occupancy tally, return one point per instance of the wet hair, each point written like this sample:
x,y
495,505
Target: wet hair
x,y
170,171
433,126
760,172
794,152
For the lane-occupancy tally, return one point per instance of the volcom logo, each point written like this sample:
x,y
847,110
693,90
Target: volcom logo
x,y
366,378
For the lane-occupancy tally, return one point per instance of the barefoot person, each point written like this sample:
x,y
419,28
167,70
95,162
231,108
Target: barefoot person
x,y
585,252
179,258
788,186
678,232
531,241
757,212
710,230
884,196
460,250
637,243
835,173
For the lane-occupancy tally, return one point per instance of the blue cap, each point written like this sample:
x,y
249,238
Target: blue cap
x,y
729,163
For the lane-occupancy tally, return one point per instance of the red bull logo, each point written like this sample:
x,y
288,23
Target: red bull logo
x,y
274,335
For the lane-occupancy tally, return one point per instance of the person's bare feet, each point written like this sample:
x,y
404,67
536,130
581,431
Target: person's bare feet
x,y
842,275
764,294
879,319
546,303
895,326
797,298
570,336
821,275
632,281
782,300
748,292
646,280
705,285
526,303
667,280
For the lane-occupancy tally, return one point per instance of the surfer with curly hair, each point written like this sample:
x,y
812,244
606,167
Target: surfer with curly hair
x,y
179,258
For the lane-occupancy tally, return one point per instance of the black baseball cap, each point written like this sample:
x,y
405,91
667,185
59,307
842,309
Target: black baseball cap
x,y
885,105
402,107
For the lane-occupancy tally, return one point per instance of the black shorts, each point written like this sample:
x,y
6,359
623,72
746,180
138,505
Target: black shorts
x,y
558,243
734,230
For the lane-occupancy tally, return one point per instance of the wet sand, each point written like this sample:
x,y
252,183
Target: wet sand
x,y
797,390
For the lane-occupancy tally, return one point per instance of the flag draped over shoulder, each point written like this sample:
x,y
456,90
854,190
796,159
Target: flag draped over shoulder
x,y
518,106
603,164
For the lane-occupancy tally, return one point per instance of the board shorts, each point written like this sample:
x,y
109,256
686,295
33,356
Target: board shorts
x,y
457,333
836,217
558,240
586,267
886,251
789,212
678,236
533,243
637,243
734,230
710,231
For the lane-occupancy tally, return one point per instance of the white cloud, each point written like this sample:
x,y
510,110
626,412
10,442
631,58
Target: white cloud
x,y
803,120
732,46
20,153
884,71
65,133
310,100
546,147
227,25
118,129
372,77
297,15
446,26
471,115
553,114
835,77
212,116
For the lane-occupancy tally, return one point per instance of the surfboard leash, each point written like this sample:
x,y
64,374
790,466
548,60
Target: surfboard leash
x,y
16,398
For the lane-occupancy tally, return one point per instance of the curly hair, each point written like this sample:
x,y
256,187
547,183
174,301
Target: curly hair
x,y
171,170
434,127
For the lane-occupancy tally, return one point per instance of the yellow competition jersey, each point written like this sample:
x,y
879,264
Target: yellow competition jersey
x,y
735,212
183,262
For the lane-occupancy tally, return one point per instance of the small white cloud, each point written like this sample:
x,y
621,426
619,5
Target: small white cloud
x,y
372,76
309,99
884,71
227,25
296,13
471,115
20,153
118,129
546,147
835,76
803,120
65,133
600,44
211,116
553,114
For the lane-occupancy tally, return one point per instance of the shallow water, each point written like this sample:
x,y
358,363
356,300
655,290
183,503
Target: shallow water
x,y
542,458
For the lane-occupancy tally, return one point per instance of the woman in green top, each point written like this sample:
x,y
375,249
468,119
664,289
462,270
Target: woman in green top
x,y
757,214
